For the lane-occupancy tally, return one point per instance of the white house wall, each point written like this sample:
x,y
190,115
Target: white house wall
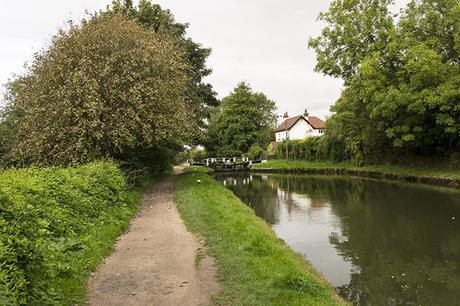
x,y
315,132
280,136
300,130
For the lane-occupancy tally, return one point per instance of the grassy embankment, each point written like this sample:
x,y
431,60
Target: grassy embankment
x,y
431,174
56,225
254,266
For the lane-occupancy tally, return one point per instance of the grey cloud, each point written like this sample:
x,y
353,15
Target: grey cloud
x,y
259,41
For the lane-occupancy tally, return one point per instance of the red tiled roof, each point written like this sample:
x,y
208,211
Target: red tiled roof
x,y
316,123
287,124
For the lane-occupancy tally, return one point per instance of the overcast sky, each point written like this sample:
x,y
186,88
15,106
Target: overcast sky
x,y
263,42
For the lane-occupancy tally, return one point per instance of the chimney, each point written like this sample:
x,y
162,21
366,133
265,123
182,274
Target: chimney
x,y
305,114
285,116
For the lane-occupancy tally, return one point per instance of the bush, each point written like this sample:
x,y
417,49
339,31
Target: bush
x,y
255,151
43,214
105,88
197,154
325,148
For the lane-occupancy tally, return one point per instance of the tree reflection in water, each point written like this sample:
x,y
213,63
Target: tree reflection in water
x,y
401,240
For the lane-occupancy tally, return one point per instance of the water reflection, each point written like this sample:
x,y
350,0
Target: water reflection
x,y
379,243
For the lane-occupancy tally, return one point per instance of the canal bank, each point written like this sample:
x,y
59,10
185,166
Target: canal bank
x,y
254,266
378,242
445,177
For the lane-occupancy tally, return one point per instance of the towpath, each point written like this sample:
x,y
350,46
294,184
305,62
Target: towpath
x,y
157,262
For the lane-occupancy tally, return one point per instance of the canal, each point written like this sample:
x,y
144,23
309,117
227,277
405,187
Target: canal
x,y
377,242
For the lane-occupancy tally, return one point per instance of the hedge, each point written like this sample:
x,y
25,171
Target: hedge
x,y
44,213
320,148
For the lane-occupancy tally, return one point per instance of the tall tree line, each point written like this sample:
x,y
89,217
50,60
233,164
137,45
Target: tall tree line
x,y
401,77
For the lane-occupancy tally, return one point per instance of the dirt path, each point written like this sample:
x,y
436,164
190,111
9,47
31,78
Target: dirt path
x,y
155,262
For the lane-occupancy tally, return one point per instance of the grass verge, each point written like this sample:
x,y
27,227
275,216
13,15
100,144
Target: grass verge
x,y
430,174
254,266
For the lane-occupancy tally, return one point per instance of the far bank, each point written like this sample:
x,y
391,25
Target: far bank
x,y
425,174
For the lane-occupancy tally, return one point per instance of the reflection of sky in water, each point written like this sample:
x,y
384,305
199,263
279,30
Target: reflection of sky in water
x,y
377,242
307,230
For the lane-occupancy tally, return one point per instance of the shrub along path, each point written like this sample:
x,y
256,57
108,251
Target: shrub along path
x,y
158,262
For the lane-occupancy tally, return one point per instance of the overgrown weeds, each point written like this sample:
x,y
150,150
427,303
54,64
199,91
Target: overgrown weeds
x,y
56,224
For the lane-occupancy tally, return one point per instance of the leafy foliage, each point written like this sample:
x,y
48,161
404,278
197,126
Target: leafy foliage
x,y
243,119
195,153
354,29
44,213
321,148
402,96
200,95
255,151
105,88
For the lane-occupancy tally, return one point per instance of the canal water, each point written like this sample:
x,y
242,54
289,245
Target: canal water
x,y
377,242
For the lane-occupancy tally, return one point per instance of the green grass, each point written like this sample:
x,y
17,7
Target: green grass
x,y
416,170
254,266
56,225
99,242
198,169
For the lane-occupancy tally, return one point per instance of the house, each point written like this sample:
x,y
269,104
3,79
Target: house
x,y
300,127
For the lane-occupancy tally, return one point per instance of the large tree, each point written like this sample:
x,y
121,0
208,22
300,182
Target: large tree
x,y
106,88
354,29
243,119
404,97
201,98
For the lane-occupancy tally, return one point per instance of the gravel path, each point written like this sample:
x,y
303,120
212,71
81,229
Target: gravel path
x,y
155,263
